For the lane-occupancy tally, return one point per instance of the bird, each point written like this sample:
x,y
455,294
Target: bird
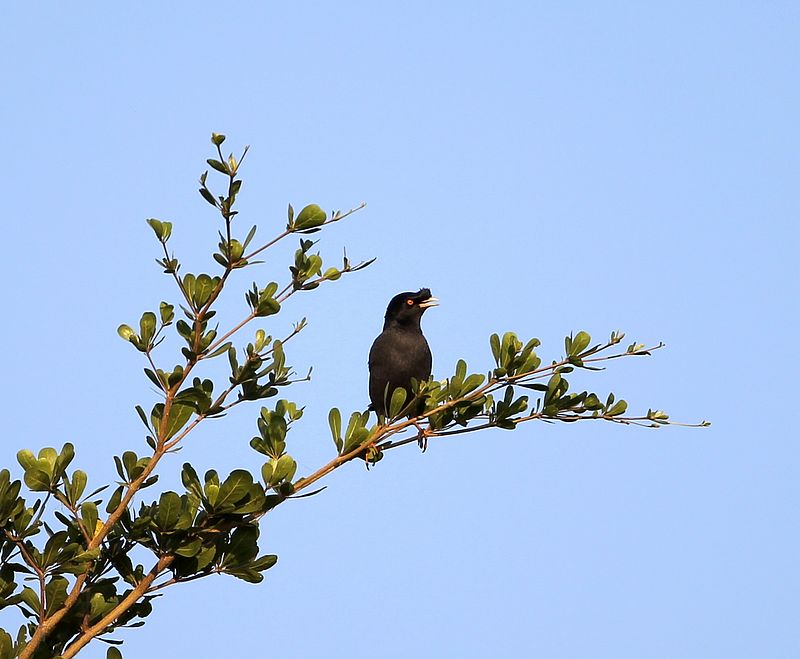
x,y
400,352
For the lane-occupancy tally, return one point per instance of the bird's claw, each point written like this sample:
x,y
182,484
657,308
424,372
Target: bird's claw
x,y
422,437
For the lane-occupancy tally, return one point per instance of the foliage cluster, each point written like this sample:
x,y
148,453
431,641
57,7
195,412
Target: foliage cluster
x,y
67,555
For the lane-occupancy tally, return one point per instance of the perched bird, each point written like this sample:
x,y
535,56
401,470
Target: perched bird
x,y
400,352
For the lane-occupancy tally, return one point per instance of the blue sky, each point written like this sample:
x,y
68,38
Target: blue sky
x,y
543,168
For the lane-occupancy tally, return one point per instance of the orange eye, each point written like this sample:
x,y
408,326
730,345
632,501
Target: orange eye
x,y
409,302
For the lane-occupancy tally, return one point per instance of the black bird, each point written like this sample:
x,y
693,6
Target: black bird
x,y
400,352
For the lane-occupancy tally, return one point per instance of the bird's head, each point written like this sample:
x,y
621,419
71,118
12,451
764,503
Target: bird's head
x,y
407,308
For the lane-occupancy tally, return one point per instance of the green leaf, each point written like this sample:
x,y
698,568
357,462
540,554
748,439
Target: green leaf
x,y
233,489
29,597
472,382
114,501
126,332
178,416
219,166
266,304
211,492
6,645
169,509
242,547
129,460
531,363
264,562
362,265
63,460
147,482
580,343
494,342
356,431
553,383
397,402
284,469
78,485
190,480
267,469
203,287
308,218
246,574
47,459
222,349
250,235
26,459
191,548
53,546
56,594
537,387
619,408
235,250
147,327
591,403
253,501
208,196
88,555
89,516
37,479
167,313
158,228
99,606
188,284
216,139
140,411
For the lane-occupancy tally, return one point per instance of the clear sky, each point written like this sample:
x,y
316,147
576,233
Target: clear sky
x,y
543,168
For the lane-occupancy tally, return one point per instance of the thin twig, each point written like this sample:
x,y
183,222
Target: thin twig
x,y
226,336
177,580
267,245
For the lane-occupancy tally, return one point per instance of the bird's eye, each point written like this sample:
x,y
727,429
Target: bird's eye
x,y
409,302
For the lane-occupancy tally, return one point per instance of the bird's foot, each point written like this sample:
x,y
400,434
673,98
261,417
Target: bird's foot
x,y
422,437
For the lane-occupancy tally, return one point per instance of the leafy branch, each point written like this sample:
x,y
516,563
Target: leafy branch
x,y
453,405
85,582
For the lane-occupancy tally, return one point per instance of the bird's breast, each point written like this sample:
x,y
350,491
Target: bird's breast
x,y
403,350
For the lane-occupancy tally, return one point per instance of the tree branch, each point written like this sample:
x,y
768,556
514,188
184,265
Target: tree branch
x,y
126,603
493,384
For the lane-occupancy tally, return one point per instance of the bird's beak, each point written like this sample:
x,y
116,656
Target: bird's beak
x,y
430,302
